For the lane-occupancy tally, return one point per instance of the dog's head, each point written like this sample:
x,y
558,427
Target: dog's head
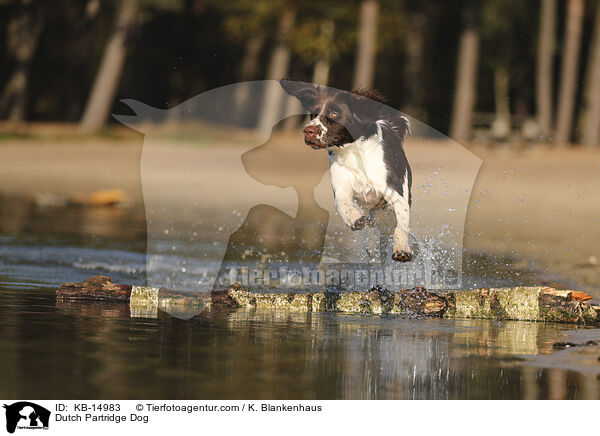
x,y
337,117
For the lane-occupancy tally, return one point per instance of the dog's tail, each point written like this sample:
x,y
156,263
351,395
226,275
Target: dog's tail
x,y
397,127
400,126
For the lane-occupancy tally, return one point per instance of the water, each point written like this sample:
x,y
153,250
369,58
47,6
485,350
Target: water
x,y
55,350
95,351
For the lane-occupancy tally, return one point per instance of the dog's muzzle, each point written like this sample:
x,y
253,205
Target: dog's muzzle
x,y
310,136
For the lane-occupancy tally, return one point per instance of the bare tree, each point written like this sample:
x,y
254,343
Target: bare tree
x,y
466,76
278,68
544,76
364,68
23,32
590,118
568,75
111,67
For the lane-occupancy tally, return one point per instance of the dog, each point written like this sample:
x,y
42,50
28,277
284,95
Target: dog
x,y
364,142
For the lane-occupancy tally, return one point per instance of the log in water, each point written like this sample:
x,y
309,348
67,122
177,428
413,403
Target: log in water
x,y
520,303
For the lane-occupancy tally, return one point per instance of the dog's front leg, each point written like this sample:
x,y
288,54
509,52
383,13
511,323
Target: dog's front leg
x,y
350,213
341,180
401,249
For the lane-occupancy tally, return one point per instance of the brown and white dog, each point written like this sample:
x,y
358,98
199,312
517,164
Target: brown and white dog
x,y
364,141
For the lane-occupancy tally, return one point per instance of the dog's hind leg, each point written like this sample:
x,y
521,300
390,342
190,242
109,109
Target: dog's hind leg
x,y
401,249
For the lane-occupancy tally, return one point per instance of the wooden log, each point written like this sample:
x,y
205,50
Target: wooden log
x,y
98,288
143,300
519,303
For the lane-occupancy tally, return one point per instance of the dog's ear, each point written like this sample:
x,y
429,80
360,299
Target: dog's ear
x,y
305,92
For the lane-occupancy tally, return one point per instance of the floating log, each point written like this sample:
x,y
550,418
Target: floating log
x,y
520,303
142,300
97,288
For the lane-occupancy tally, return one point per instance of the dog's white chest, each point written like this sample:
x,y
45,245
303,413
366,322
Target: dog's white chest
x,y
361,166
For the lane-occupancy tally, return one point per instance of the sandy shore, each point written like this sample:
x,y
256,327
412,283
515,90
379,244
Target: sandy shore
x,y
540,207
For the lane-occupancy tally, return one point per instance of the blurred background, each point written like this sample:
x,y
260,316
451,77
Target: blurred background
x,y
501,70
516,83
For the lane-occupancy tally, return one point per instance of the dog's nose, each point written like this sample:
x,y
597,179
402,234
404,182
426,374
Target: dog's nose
x,y
310,131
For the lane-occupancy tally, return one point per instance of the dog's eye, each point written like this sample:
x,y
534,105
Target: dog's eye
x,y
334,114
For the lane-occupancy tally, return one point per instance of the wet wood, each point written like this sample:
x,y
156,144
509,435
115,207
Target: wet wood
x,y
98,288
519,303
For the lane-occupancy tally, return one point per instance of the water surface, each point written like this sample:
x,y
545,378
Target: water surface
x,y
98,351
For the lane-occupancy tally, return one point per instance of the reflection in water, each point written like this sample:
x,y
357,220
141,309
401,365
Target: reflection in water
x,y
97,351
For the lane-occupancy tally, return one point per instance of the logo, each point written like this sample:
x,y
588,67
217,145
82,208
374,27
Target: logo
x,y
26,415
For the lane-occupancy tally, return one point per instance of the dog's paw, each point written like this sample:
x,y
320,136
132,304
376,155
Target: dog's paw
x,y
359,224
402,256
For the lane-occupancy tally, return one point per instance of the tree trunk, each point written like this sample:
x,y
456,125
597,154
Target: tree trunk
x,y
23,33
321,72
590,124
323,64
278,69
249,67
320,75
544,74
111,67
364,68
466,77
249,70
568,76
501,127
413,87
